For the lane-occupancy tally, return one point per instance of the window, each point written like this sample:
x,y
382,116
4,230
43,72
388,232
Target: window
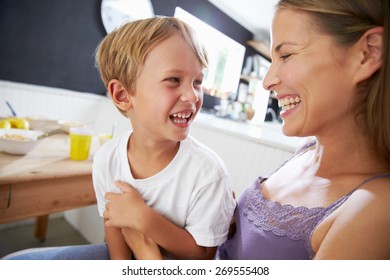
x,y
225,55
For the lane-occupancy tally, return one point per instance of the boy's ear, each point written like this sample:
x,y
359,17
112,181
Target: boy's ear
x,y
370,49
119,95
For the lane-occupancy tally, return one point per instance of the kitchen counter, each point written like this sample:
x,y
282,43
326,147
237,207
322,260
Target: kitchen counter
x,y
268,134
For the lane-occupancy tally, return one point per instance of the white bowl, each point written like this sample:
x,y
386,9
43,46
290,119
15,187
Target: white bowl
x,y
18,141
104,137
41,123
66,125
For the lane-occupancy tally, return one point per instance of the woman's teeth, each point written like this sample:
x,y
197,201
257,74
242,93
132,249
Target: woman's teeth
x,y
289,103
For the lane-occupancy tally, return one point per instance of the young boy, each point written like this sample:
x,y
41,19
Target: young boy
x,y
180,201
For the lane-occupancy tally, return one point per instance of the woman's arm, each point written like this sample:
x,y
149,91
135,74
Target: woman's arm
x,y
144,248
116,243
360,228
122,242
172,238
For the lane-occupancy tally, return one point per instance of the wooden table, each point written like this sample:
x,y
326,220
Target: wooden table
x,y
42,182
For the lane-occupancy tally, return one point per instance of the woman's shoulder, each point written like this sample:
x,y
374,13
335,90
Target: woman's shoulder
x,y
372,200
377,185
378,188
360,227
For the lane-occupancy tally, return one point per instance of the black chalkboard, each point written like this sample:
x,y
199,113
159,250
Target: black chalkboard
x,y
52,42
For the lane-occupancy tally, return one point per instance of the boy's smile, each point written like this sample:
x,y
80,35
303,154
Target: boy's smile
x,y
182,118
168,92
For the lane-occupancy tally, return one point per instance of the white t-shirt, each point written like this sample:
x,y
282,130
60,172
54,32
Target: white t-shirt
x,y
193,191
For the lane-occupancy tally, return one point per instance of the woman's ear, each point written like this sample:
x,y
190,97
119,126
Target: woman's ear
x,y
119,95
370,49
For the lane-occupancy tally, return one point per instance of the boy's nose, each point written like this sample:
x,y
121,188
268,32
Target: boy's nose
x,y
190,95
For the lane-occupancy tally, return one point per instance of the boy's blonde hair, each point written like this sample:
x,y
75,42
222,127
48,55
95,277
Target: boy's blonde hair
x,y
122,53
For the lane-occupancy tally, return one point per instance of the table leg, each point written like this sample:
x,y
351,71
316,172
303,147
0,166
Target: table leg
x,y
41,227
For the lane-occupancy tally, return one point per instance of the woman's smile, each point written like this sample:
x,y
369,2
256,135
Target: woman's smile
x,y
288,103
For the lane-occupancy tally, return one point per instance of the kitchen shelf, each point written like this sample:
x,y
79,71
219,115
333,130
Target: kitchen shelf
x,y
248,78
261,47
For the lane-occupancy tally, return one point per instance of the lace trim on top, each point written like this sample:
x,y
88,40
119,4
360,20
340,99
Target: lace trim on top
x,y
283,220
286,220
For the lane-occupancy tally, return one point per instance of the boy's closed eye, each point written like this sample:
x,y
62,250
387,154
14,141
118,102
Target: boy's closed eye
x,y
174,81
198,83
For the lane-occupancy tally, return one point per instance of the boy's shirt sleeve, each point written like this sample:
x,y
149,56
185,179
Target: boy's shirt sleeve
x,y
211,212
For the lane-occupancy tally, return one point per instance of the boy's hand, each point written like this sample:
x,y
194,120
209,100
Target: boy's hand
x,y
124,209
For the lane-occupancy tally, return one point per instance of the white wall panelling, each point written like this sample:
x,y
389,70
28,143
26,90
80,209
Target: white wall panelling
x,y
245,159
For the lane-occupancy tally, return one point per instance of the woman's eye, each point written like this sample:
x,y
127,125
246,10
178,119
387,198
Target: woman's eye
x,y
284,57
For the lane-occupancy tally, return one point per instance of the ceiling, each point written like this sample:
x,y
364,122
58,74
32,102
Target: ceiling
x,y
254,15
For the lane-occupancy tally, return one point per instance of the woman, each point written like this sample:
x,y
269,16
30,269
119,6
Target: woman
x,y
330,73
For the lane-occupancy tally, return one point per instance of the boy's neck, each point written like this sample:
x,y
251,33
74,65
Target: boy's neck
x,y
147,158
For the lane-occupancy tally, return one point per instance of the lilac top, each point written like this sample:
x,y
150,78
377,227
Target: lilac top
x,y
267,230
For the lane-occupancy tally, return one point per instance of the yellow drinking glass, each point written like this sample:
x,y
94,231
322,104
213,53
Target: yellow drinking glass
x,y
80,142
